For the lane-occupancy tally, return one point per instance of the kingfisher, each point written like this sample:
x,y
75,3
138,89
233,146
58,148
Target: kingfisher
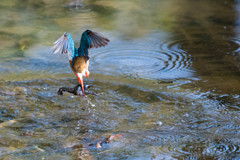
x,y
78,57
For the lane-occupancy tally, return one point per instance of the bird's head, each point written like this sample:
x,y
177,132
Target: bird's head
x,y
80,80
84,73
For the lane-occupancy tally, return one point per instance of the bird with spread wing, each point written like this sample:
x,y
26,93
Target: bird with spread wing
x,y
78,57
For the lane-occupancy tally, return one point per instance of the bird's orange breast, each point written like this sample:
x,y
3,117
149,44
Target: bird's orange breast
x,y
80,63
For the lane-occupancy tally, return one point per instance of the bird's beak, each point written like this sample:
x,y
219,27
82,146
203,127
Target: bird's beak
x,y
80,80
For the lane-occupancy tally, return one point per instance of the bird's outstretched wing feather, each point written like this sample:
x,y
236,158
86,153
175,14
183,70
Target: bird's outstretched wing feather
x,y
63,45
96,39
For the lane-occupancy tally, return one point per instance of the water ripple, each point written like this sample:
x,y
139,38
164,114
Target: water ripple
x,y
166,62
222,148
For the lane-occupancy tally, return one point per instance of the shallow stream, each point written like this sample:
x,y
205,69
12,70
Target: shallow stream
x,y
168,82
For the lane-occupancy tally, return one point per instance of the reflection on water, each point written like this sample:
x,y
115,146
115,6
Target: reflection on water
x,y
168,81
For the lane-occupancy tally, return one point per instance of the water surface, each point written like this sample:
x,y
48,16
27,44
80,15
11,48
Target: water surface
x,y
169,81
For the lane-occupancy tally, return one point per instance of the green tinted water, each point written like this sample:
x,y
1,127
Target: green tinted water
x,y
168,82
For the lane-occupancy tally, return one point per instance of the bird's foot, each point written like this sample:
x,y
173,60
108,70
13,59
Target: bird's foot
x,y
87,74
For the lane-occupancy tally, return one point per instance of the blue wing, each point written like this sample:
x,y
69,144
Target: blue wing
x,y
90,39
96,39
63,45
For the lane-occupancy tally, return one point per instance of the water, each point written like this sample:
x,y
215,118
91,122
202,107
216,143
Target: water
x,y
168,82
